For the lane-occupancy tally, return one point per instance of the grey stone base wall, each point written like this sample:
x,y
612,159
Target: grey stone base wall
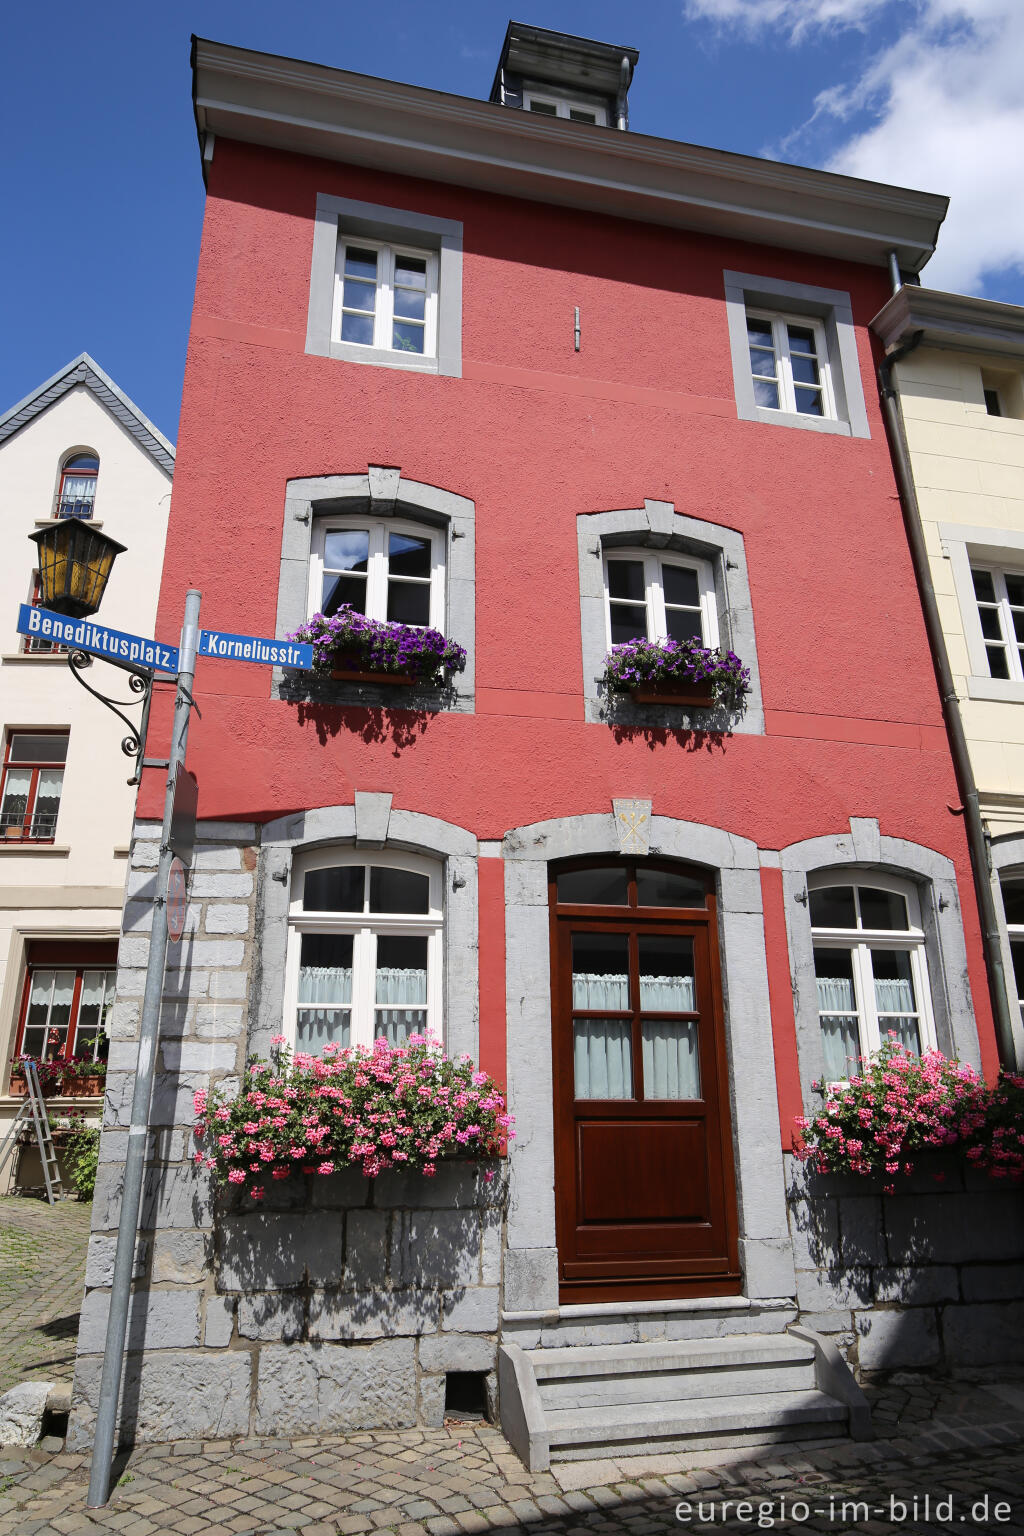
x,y
931,1277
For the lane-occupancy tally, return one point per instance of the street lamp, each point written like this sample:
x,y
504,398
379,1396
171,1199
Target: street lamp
x,y
75,560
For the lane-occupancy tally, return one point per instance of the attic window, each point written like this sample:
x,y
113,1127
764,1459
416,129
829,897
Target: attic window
x,y
548,104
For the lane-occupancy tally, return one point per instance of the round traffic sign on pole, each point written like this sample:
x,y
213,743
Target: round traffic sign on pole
x,y
176,900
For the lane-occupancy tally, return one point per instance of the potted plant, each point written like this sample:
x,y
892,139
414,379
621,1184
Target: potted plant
x,y
407,1106
348,645
678,672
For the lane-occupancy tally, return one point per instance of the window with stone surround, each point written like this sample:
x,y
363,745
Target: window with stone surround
x,y
386,568
987,567
364,948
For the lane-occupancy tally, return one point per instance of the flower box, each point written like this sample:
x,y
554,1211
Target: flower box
x,y
397,679
70,1086
671,690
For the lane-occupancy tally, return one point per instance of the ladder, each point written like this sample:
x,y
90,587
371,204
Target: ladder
x,y
34,1109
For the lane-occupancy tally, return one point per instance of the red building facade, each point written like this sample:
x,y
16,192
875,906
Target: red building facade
x,y
581,443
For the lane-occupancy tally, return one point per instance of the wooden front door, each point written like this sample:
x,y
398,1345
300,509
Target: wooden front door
x,y
645,1197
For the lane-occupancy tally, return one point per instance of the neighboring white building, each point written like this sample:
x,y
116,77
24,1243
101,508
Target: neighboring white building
x,y
77,446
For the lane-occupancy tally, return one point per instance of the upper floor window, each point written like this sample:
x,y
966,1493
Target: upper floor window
x,y
33,777
1013,910
870,966
789,364
550,104
77,494
386,297
1000,599
38,645
382,567
66,1003
652,596
364,953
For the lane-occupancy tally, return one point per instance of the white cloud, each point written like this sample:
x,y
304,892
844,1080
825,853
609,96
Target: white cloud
x,y
945,103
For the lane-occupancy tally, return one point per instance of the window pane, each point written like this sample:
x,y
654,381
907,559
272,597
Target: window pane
x,y
593,887
805,369
44,812
983,587
408,337
1013,900
1017,952
60,1009
603,1058
667,888
337,889
410,304
801,340
600,971
760,331
683,624
998,665
1017,615
15,802
883,909
360,263
545,108
578,116
91,1012
339,590
325,987
408,555
411,272
399,890
83,461
1014,589
38,749
409,603
808,402
626,580
766,393
401,970
894,983
762,364
671,1062
990,625
837,1009
832,906
628,622
357,328
347,549
667,982
681,585
357,295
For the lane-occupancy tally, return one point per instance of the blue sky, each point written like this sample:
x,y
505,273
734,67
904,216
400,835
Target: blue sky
x,y
104,195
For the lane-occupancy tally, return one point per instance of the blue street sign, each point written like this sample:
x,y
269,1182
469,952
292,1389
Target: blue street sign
x,y
87,635
272,653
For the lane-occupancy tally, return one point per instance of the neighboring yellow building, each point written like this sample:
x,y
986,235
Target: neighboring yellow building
x,y
76,447
961,392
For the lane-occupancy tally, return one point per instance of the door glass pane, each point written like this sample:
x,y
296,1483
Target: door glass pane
x,y
668,888
838,1014
325,990
603,1058
334,890
883,909
832,906
593,887
600,971
667,981
671,1063
399,890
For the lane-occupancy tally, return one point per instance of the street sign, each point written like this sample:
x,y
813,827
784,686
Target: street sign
x,y
86,635
271,653
177,901
182,841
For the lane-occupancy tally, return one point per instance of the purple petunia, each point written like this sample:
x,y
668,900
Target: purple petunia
x,y
374,645
650,661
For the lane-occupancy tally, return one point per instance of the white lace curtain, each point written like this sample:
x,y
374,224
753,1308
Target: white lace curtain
x,y
400,984
317,1026
837,1005
658,994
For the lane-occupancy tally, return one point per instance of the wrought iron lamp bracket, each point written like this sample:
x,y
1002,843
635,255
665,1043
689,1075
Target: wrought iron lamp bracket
x,y
140,681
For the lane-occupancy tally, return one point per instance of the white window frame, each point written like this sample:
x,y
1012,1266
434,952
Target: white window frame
x,y
654,562
1014,931
365,928
860,941
1005,610
377,564
385,287
565,106
783,379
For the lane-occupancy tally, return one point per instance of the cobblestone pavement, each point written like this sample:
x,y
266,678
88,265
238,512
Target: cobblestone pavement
x,y
954,1441
42,1270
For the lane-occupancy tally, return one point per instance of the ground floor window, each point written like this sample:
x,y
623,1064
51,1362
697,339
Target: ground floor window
x,y
66,1002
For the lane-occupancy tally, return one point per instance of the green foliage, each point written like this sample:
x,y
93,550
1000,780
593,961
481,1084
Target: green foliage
x,y
81,1157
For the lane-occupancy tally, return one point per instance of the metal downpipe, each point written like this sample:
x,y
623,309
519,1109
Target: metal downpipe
x,y
974,827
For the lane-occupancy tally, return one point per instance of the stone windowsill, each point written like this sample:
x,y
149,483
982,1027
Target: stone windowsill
x,y
48,658
36,850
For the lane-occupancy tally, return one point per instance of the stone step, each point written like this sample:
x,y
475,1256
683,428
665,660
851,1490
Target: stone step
x,y
760,1418
675,1386
679,1355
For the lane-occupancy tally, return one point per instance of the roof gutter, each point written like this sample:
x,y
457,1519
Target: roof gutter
x,y
977,838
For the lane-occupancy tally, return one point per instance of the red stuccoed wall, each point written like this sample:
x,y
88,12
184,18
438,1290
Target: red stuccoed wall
x,y
535,434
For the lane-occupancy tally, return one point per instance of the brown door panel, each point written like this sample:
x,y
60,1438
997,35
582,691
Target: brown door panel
x,y
631,1170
